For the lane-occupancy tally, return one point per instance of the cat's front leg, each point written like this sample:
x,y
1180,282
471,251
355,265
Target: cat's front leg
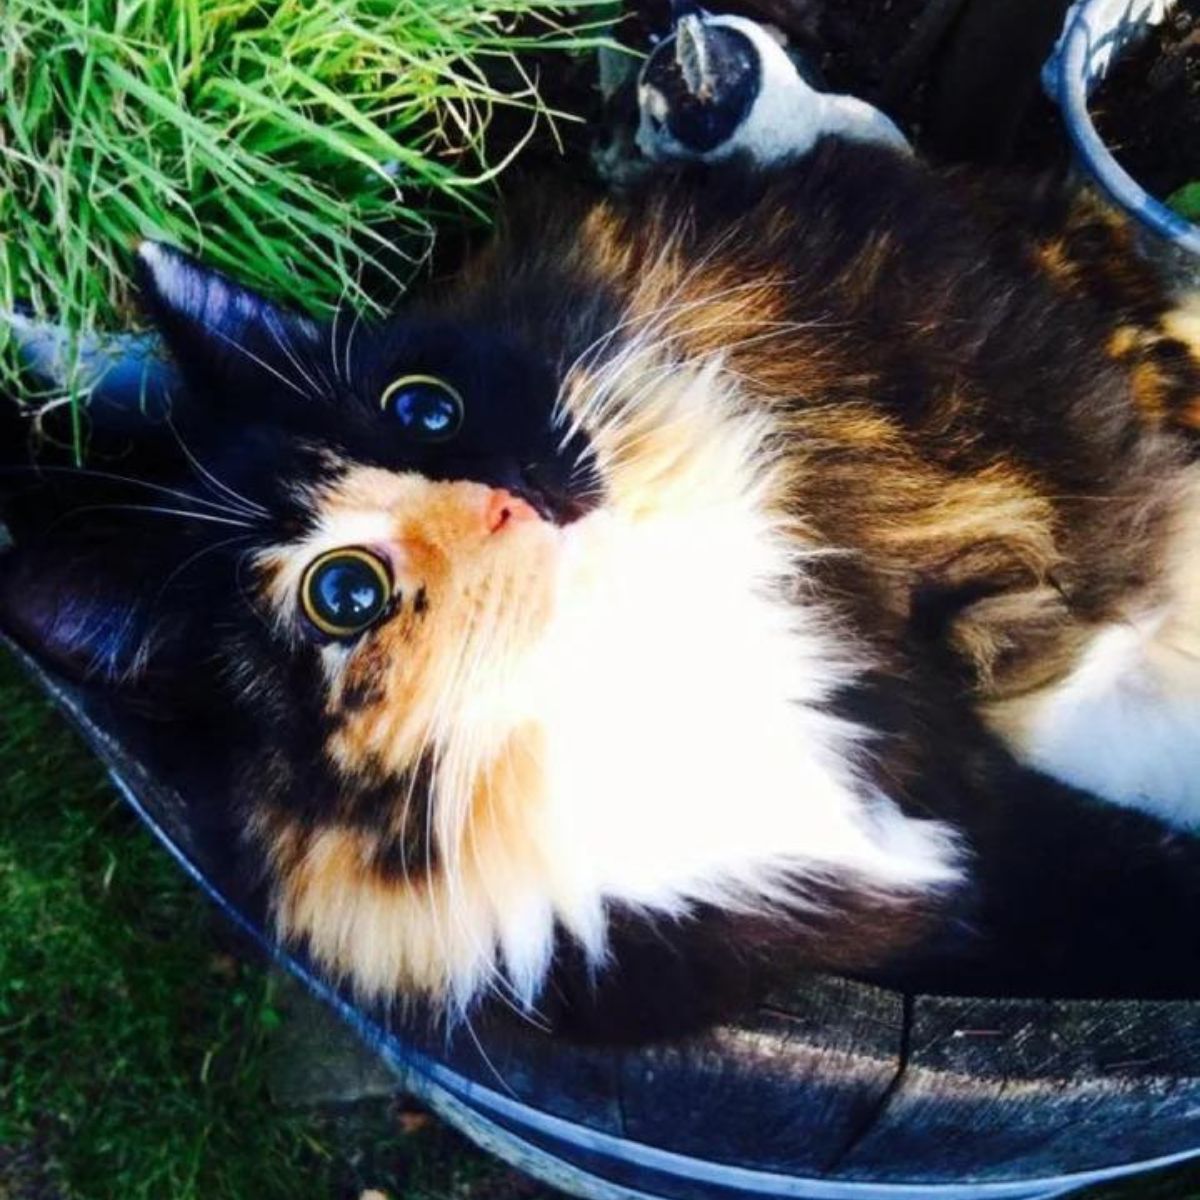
x,y
1069,897
723,86
1124,721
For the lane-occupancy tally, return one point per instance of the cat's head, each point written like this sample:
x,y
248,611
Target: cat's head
x,y
497,596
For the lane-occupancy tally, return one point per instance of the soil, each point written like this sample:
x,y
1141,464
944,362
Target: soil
x,y
1148,108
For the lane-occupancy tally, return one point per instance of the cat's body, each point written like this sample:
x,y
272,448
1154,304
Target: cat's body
x,y
778,496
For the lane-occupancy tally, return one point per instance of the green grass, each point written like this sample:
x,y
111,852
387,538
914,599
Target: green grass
x,y
134,1050
299,143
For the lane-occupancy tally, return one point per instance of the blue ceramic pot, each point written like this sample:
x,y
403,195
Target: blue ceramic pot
x,y
1094,34
127,377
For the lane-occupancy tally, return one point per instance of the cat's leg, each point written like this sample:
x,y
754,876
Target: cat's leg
x,y
1067,897
1124,721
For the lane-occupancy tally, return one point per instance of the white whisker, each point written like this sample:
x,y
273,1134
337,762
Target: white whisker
x,y
240,503
649,326
111,477
266,366
282,339
157,511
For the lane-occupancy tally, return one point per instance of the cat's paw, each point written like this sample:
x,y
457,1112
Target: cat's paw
x,y
720,86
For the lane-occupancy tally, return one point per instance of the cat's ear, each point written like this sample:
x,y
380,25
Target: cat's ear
x,y
220,332
83,616
82,623
91,585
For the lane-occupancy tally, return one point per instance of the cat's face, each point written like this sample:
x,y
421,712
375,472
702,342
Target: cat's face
x,y
380,514
401,586
412,487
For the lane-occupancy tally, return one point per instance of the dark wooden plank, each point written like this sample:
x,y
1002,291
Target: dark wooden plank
x,y
996,1089
578,1083
784,1092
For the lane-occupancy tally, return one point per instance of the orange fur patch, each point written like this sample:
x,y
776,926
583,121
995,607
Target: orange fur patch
x,y
419,934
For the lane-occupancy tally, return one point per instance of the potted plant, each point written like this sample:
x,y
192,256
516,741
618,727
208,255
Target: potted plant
x,y
1103,36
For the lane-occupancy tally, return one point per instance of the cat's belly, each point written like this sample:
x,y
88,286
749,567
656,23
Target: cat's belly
x,y
1124,722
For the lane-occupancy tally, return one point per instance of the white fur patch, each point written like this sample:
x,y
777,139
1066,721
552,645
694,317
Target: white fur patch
x,y
1117,727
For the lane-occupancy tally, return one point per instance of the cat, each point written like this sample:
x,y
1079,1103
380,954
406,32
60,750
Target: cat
x,y
682,594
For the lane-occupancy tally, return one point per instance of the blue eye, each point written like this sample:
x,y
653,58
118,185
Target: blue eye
x,y
344,592
426,408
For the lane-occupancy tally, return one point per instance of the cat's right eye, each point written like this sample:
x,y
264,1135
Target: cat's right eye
x,y
426,408
344,592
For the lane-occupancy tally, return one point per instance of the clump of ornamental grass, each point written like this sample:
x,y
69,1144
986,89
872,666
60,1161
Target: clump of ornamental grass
x,y
303,145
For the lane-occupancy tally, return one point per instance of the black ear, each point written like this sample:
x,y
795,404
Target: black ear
x,y
61,612
224,335
99,578
85,615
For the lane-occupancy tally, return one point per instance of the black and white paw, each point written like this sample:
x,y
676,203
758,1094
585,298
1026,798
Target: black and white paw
x,y
719,86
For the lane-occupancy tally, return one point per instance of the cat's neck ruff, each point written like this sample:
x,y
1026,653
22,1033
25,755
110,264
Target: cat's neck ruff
x,y
669,733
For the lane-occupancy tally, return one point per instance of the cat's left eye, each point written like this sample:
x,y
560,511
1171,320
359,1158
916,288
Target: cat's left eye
x,y
344,592
425,407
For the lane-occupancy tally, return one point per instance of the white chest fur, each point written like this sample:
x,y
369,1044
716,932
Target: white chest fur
x,y
678,694
688,755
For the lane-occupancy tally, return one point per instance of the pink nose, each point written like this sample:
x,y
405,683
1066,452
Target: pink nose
x,y
503,507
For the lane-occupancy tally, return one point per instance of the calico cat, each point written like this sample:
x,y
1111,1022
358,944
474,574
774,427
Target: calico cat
x,y
672,598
